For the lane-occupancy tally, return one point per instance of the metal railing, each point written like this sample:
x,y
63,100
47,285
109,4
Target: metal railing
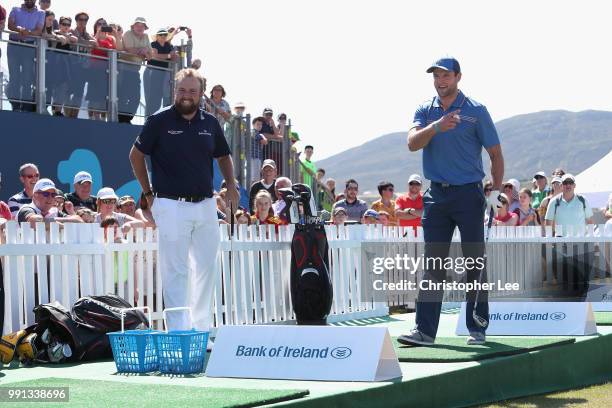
x,y
111,88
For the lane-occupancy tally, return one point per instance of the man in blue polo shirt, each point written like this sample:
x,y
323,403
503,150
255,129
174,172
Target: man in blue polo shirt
x,y
452,129
182,141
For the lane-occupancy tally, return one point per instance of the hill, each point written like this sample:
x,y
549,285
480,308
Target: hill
x,y
530,142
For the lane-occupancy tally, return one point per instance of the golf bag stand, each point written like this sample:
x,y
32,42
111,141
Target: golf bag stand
x,y
311,286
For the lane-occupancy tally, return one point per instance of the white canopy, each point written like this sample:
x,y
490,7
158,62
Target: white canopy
x,y
595,183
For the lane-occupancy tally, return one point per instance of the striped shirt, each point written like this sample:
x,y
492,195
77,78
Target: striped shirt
x,y
17,201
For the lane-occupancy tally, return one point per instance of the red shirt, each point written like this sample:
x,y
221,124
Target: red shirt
x,y
404,202
105,43
506,218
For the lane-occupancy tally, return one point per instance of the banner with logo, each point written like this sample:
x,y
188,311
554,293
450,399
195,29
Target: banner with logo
x,y
601,297
536,319
324,353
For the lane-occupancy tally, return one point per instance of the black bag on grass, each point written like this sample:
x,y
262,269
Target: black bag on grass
x,y
84,328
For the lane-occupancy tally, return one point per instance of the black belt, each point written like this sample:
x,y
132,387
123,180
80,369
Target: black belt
x,y
188,199
447,185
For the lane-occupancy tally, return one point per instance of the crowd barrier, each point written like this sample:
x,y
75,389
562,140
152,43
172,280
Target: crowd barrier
x,y
252,274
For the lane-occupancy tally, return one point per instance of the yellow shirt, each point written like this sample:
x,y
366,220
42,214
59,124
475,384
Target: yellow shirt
x,y
379,206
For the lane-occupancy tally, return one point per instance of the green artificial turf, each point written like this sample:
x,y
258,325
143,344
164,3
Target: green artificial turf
x,y
603,318
89,393
454,349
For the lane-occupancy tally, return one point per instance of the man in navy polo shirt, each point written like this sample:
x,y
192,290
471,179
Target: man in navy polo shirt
x,y
452,129
182,141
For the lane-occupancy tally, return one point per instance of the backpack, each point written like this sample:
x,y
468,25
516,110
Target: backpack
x,y
558,202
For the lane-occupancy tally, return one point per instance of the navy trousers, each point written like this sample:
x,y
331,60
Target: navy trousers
x,y
444,208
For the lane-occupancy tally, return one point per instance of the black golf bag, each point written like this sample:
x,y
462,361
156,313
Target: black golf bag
x,y
83,329
311,286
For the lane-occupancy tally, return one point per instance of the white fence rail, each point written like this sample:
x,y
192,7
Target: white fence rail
x,y
252,279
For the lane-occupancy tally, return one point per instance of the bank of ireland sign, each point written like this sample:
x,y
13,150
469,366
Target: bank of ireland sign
x,y
536,318
304,353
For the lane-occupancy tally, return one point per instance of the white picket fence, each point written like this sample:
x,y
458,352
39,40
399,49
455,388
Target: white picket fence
x,y
252,280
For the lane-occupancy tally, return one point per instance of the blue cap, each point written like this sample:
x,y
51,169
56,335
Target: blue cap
x,y
447,64
371,213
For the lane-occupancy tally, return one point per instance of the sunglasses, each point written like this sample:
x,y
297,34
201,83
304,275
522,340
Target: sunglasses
x,y
47,194
31,176
414,184
568,183
65,24
108,201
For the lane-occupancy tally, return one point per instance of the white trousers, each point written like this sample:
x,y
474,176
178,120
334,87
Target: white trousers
x,y
188,235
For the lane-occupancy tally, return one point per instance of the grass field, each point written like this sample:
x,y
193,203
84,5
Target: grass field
x,y
597,396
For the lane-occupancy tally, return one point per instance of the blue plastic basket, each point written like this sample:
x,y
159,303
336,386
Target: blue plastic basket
x,y
134,350
181,351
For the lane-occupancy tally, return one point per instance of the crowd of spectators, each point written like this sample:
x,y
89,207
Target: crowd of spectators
x,y
82,74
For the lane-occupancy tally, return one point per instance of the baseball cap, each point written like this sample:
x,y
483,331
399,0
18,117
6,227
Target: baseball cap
x,y
125,199
371,213
415,177
162,31
268,111
106,192
44,185
539,174
82,177
567,176
556,179
338,210
239,105
447,64
269,162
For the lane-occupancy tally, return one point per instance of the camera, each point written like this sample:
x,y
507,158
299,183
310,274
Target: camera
x,y
107,29
183,28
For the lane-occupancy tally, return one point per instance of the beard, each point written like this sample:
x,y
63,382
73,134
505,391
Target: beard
x,y
185,108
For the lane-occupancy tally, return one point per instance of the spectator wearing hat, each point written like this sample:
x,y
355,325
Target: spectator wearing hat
x,y
386,202
568,209
339,216
158,82
511,188
137,45
268,174
127,205
217,105
541,189
26,21
279,205
504,216
258,141
355,208
42,208
107,204
370,217
409,207
81,197
308,167
28,175
239,109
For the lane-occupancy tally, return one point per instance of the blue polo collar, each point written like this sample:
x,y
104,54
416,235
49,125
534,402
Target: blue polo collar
x,y
457,103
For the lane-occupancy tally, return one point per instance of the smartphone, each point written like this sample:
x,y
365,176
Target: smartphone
x,y
183,28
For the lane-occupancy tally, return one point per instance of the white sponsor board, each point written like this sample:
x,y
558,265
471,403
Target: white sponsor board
x,y
324,353
536,319
601,297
